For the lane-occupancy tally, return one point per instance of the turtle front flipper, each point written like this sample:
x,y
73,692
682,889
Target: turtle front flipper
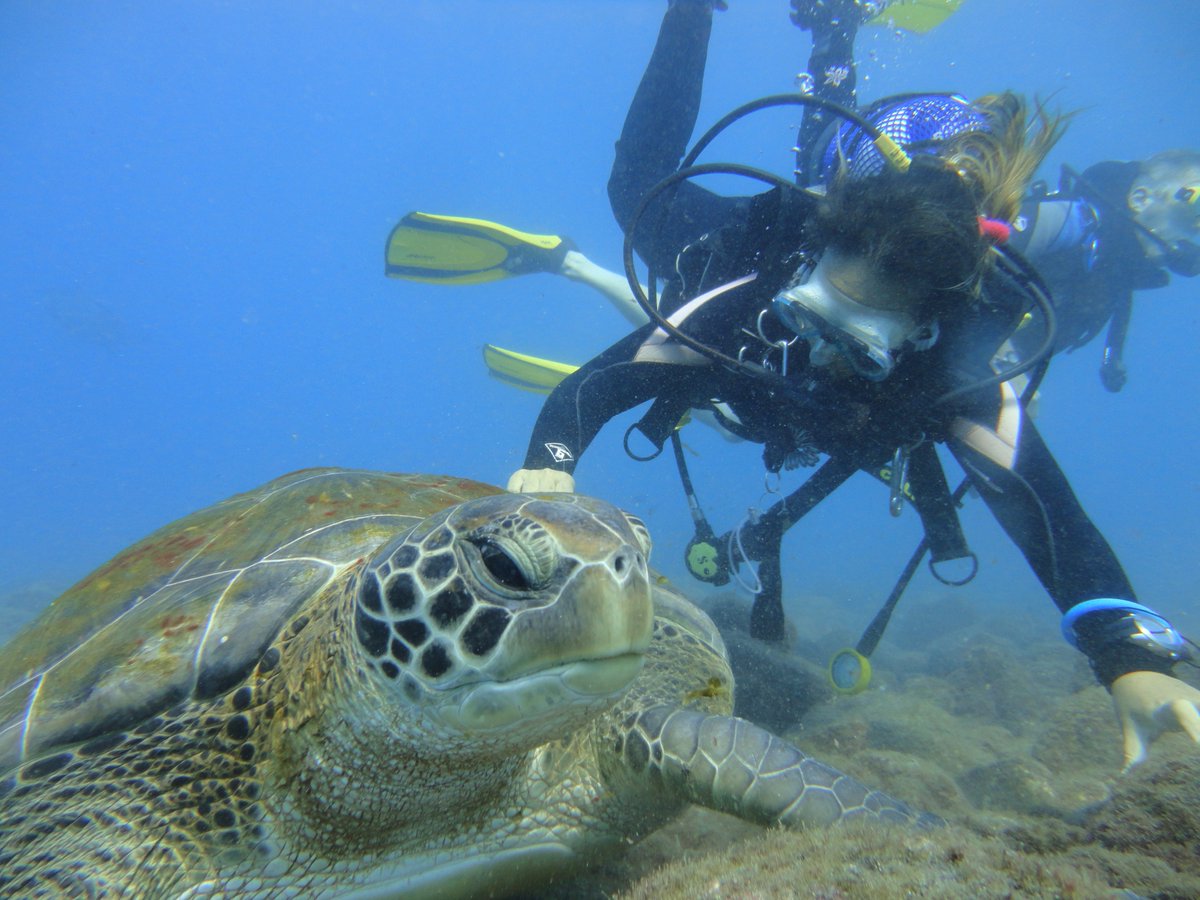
x,y
734,766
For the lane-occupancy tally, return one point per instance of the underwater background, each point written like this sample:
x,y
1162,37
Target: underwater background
x,y
195,197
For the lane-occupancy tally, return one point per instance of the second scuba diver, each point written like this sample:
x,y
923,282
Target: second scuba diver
x,y
1115,228
859,325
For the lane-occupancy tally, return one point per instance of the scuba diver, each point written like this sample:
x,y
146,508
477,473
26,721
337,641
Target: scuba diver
x,y
857,324
1116,228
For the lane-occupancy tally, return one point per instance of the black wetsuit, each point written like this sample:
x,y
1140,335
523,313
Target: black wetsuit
x,y
810,410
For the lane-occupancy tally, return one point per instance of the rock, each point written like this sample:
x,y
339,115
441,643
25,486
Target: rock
x,y
1155,809
990,682
1013,785
920,783
1025,786
775,687
1080,734
880,863
907,721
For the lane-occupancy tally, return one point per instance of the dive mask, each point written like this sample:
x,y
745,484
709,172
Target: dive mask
x,y
847,306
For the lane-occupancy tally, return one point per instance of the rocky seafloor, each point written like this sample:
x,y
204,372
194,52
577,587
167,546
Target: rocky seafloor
x,y
989,722
998,728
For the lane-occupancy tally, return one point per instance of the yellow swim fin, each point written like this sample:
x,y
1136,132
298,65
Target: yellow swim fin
x,y
457,250
529,373
918,16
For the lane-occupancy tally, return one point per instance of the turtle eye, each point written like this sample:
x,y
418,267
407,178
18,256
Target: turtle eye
x,y
502,567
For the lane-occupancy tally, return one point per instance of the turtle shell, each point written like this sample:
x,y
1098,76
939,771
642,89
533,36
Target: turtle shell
x,y
189,610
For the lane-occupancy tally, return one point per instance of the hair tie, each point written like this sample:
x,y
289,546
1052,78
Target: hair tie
x,y
994,230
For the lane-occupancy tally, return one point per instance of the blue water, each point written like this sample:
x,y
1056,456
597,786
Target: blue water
x,y
195,197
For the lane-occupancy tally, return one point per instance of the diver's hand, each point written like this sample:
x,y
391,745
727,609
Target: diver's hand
x,y
802,13
1149,703
805,12
541,481
1113,375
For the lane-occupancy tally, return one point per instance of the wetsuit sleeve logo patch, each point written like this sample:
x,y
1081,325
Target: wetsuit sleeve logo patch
x,y
559,452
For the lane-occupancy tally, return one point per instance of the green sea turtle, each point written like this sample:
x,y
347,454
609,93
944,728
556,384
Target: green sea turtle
x,y
349,683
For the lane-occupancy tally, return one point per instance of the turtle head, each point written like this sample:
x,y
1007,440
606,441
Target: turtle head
x,y
512,613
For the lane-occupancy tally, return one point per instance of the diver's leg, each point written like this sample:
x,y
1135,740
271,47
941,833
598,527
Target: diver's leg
x,y
834,25
613,285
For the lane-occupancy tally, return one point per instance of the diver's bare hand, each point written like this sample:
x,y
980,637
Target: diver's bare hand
x,y
1149,703
541,481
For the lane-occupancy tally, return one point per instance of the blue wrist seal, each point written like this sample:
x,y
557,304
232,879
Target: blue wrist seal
x,y
1140,626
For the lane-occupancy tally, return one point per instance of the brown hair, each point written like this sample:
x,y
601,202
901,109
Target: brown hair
x,y
917,227
920,227
998,163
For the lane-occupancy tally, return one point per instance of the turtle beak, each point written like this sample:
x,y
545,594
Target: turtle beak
x,y
566,661
604,611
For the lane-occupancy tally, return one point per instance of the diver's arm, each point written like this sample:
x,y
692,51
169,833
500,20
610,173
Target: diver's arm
x,y
1036,506
830,67
655,135
1034,503
586,399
